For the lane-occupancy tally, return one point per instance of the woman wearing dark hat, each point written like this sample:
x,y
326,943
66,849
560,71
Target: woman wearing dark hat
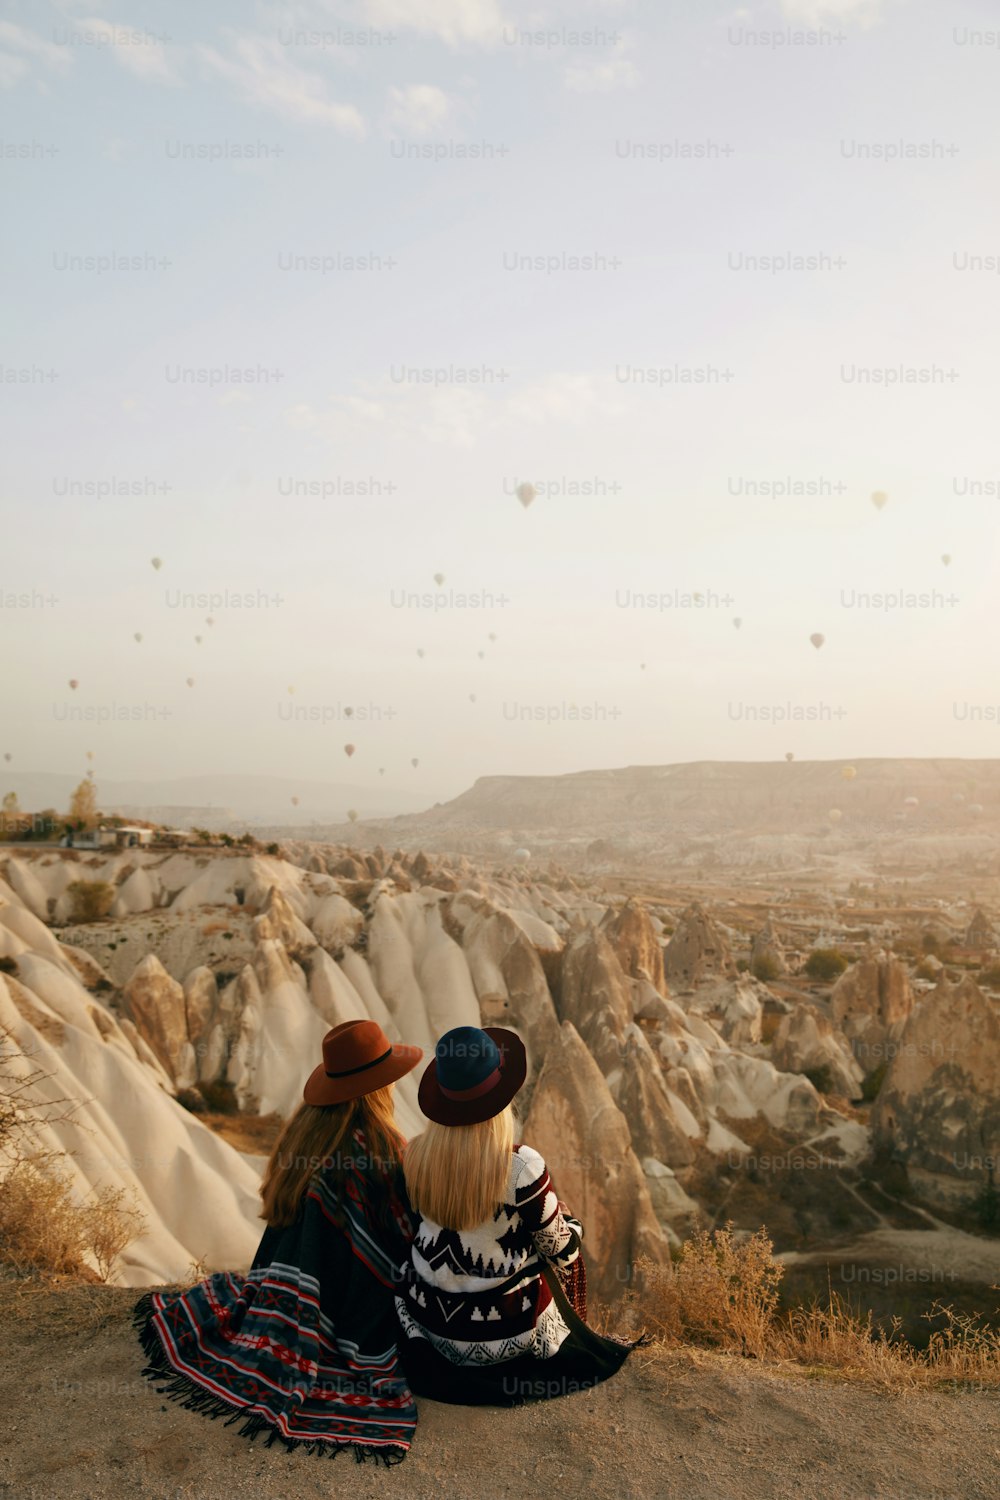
x,y
303,1347
483,1316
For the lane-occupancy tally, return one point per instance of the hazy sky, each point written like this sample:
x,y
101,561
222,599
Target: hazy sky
x,y
230,160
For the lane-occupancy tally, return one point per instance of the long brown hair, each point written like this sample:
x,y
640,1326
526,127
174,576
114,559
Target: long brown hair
x,y
319,1136
458,1175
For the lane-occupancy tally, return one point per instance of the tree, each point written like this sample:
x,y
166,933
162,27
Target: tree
x,y
825,963
83,805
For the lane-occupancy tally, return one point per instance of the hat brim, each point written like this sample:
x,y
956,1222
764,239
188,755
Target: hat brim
x,y
321,1089
513,1071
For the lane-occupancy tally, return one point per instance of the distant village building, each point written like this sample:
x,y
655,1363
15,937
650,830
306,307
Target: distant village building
x,y
127,837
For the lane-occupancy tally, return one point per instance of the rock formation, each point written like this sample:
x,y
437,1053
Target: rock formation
x,y
636,942
767,957
939,1106
870,1003
806,1042
696,950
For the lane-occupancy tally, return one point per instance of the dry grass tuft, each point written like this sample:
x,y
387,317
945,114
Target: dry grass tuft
x,y
722,1294
43,1229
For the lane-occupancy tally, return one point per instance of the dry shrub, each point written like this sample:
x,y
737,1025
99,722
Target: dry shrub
x,y
91,899
723,1294
43,1229
719,1292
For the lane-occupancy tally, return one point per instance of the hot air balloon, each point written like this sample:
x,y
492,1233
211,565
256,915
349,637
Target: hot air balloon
x,y
74,683
295,801
189,681
521,856
348,713
642,666
911,801
209,619
879,498
352,813
420,650
414,762
492,636
481,655
526,493
197,640
439,579
817,639
7,755
349,750
472,697
290,689
90,754
835,815
847,773
789,754
381,770
737,622
157,562
946,558
138,635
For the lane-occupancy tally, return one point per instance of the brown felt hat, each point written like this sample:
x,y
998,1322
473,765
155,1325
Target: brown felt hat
x,y
358,1058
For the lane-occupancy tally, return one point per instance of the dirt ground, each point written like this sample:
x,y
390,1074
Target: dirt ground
x,y
80,1422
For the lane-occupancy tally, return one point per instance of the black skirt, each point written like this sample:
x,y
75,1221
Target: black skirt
x,y
584,1360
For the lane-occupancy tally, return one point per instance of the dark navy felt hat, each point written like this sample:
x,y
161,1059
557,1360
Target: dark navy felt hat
x,y
475,1074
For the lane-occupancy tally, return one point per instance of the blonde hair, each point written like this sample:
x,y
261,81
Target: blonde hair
x,y
457,1175
313,1138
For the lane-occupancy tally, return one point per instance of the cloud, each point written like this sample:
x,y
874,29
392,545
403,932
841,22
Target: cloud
x,y
452,21
418,108
20,49
147,58
816,12
602,77
262,75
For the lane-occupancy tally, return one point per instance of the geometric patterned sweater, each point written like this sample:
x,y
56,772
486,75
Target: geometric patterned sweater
x,y
478,1295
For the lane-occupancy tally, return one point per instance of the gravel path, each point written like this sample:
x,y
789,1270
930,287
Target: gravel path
x,y
79,1422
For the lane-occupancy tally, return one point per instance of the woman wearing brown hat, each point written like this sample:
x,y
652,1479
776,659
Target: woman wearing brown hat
x,y
303,1347
483,1316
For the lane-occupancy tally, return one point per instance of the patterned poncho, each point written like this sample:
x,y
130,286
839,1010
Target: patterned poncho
x,y
302,1347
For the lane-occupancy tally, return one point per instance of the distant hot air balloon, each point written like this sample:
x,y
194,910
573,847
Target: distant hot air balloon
x,y
847,773
737,622
349,750
74,683
481,655
472,697
352,813
698,598
197,640
439,579
381,770
789,754
817,639
138,635
526,493
90,754
642,666
946,558
414,762
348,713
835,815
290,689
189,681
420,650
879,498
209,619
492,636
7,755
911,801
157,562
295,801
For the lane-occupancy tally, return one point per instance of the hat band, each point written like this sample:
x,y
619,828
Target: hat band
x,y
477,1089
346,1072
